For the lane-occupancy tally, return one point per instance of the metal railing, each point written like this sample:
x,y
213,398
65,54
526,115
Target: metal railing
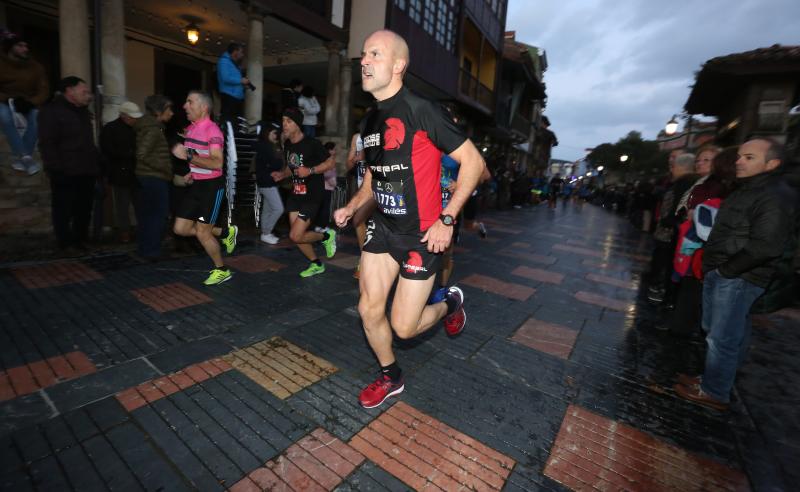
x,y
471,87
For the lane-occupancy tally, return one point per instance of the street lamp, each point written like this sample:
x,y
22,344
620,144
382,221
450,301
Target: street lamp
x,y
600,168
671,126
192,34
623,158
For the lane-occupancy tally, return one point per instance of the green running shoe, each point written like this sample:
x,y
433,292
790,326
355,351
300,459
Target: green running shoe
x,y
330,244
218,275
313,269
230,239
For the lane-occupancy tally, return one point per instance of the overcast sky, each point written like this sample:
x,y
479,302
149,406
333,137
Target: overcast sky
x,y
622,65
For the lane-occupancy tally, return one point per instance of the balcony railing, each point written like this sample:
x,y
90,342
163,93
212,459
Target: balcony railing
x,y
471,87
521,124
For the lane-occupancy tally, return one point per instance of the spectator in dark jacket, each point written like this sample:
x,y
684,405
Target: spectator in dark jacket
x,y
267,160
154,173
118,145
753,230
665,235
23,88
71,159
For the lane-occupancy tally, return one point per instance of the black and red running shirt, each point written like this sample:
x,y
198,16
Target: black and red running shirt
x,y
404,137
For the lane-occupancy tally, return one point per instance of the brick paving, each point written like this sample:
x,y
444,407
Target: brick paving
x,y
593,452
54,274
118,375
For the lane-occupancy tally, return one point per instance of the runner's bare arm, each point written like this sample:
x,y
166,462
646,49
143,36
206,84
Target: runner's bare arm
x,y
364,195
328,164
472,168
213,161
352,154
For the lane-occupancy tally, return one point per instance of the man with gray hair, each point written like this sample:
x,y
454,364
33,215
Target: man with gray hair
x,y
751,244
199,210
662,289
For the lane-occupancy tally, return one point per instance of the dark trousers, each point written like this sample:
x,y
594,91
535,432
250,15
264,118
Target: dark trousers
x,y
688,307
152,209
323,217
230,108
71,205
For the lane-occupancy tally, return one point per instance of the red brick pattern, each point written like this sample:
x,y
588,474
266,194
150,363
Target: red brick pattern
x,y
427,454
23,380
616,282
507,289
602,301
546,337
155,389
317,462
253,264
54,274
539,275
578,250
170,297
536,258
595,453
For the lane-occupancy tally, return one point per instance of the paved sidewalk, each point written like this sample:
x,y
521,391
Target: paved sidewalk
x,y
128,376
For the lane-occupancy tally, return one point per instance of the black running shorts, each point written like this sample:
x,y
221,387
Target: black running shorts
x,y
307,207
202,200
416,262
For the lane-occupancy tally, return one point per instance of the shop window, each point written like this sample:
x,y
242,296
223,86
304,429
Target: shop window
x,y
429,18
415,10
401,4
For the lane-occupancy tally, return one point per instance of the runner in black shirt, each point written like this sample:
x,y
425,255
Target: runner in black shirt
x,y
404,137
554,190
306,161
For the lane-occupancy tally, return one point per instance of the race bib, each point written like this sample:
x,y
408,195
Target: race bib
x,y
446,196
299,188
390,197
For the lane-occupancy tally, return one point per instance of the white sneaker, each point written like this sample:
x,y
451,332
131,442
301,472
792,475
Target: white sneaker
x,y
270,238
31,167
321,230
18,165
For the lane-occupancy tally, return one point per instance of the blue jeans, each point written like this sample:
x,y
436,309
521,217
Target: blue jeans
x,y
26,144
152,208
726,321
310,131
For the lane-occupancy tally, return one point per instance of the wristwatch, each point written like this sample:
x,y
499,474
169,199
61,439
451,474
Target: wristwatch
x,y
447,220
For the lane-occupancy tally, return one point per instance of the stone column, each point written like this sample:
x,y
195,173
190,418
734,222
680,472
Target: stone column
x,y
332,97
346,86
253,100
73,37
113,54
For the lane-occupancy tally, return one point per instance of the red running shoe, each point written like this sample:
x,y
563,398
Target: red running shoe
x,y
454,323
377,392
